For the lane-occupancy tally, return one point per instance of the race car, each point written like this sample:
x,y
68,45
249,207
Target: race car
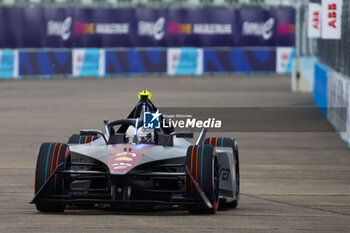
x,y
134,166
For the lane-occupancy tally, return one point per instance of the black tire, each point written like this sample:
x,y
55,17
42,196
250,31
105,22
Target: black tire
x,y
50,156
77,139
228,142
202,162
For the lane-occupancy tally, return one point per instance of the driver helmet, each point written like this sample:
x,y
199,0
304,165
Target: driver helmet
x,y
143,135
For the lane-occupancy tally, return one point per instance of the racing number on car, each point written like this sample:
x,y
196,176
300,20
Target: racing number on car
x,y
224,173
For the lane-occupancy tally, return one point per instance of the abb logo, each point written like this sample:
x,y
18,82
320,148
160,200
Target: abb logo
x,y
316,19
332,15
331,19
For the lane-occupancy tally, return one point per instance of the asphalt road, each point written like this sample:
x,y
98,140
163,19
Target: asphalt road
x,y
290,182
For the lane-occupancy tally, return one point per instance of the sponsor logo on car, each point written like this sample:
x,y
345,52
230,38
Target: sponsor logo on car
x,y
123,159
118,166
125,153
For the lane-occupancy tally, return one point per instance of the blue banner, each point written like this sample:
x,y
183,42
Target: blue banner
x,y
40,27
8,64
320,87
240,60
45,63
135,61
173,61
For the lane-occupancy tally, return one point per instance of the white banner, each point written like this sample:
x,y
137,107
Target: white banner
x,y
284,59
185,61
314,20
88,62
331,19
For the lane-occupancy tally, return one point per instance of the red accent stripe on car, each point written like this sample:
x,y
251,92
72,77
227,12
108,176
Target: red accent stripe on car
x,y
66,153
192,158
197,163
215,206
86,137
216,142
92,138
59,151
210,141
192,167
52,157
58,155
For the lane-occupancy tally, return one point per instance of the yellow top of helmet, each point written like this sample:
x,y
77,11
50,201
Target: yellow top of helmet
x,y
144,93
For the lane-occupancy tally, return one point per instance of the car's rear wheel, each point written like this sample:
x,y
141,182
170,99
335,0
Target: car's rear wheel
x,y
228,142
202,162
50,156
78,139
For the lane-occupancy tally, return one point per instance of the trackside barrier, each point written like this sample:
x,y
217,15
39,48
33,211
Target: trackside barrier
x,y
320,87
338,95
185,61
172,61
303,74
8,64
88,62
243,60
331,92
45,63
135,61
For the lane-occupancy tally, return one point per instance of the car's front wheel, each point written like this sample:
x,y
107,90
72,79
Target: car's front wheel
x,y
50,156
202,163
229,142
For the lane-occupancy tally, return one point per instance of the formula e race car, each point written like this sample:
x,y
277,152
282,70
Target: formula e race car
x,y
131,166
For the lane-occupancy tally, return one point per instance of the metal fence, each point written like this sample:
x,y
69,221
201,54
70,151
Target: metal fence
x,y
336,53
304,45
333,53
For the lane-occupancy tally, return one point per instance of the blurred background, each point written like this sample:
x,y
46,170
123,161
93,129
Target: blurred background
x,y
107,38
150,3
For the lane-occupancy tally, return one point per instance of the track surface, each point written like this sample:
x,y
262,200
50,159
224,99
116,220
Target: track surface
x,y
291,182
